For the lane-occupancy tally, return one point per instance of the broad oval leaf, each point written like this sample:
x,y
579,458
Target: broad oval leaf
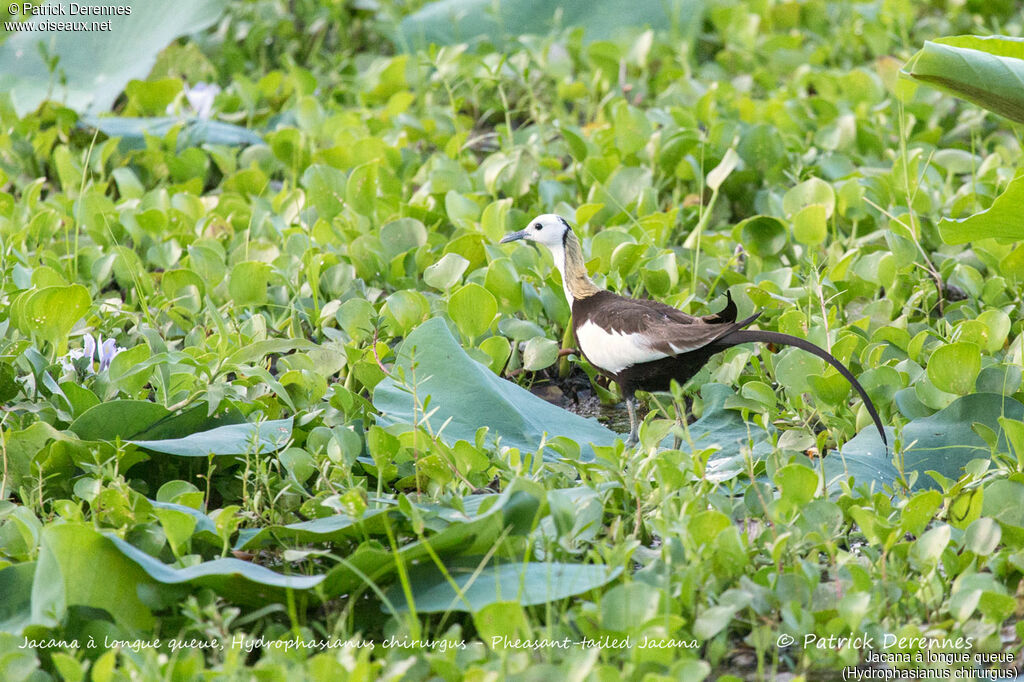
x,y
953,368
473,309
808,193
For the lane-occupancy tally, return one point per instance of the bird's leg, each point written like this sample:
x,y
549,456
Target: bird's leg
x,y
633,426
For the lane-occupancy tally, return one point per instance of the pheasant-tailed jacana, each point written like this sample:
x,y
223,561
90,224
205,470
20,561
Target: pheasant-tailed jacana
x,y
642,344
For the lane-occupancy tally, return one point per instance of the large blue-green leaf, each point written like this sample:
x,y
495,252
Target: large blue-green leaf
x,y
944,442
472,533
865,458
447,22
738,440
194,131
465,395
233,439
514,511
985,70
526,583
341,526
93,66
468,395
234,579
327,529
22,448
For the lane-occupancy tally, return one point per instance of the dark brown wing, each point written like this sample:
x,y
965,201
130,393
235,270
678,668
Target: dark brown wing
x,y
726,314
665,329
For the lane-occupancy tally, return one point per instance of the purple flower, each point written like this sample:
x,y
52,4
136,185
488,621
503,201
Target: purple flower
x,y
201,97
88,347
108,350
200,100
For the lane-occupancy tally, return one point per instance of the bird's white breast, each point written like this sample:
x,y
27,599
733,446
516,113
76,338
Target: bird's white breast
x,y
614,351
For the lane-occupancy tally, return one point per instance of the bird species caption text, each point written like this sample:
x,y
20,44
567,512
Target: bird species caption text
x,y
878,656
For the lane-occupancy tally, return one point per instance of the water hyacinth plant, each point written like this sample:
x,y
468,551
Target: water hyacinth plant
x,y
276,403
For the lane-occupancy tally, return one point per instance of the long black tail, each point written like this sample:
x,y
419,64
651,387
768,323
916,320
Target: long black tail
x,y
755,335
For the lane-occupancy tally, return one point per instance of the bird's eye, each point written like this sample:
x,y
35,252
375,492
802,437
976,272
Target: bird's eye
x,y
536,227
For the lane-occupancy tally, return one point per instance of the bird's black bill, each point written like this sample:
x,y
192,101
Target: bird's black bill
x,y
513,236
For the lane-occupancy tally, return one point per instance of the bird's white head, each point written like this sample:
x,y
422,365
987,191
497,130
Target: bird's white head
x,y
554,232
547,229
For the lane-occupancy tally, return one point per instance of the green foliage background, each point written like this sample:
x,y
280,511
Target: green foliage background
x,y
229,477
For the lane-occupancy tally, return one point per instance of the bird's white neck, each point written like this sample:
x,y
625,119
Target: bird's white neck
x,y
569,260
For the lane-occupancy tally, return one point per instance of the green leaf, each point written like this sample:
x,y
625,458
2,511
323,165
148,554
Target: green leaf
x,y
461,210
712,621
473,309
500,624
628,607
9,388
762,235
919,511
79,567
526,583
1004,502
466,395
326,187
447,22
988,71
498,349
51,313
177,526
192,133
445,273
233,439
1002,219
540,352
982,536
797,483
335,528
195,418
953,368
240,581
247,283
404,310
255,352
118,419
519,330
361,189
93,67
810,224
16,606
809,193
928,548
718,174
128,372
